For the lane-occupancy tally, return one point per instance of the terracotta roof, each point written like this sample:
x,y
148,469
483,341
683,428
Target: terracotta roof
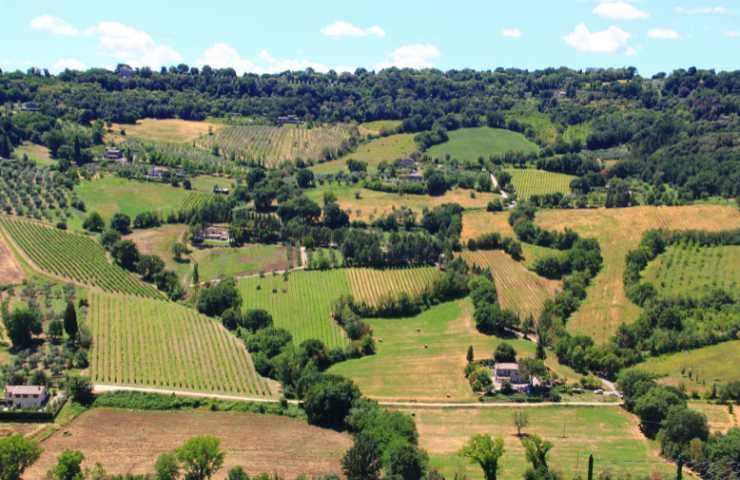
x,y
25,389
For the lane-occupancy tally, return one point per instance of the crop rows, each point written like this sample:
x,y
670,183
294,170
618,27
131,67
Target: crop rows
x,y
371,286
194,200
30,191
529,181
74,257
271,145
301,304
518,289
689,269
160,344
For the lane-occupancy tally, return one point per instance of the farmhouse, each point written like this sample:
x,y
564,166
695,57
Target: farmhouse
x,y
113,154
30,107
158,174
220,190
26,396
504,372
407,164
412,177
215,232
287,120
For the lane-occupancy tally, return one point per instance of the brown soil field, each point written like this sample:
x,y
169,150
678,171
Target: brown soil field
x,y
125,441
10,270
618,231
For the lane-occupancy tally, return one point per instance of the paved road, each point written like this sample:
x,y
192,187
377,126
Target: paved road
x,y
101,388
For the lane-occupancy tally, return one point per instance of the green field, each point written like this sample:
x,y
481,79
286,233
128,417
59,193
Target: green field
x,y
300,304
580,131
541,123
205,183
698,369
36,153
469,144
112,194
423,357
377,127
384,149
73,257
163,344
609,433
688,269
221,262
529,181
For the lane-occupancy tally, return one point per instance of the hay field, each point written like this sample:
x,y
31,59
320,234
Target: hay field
x,y
171,130
126,441
618,231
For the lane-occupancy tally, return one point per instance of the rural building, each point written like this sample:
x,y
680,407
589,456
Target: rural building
x,y
113,154
217,233
504,372
287,120
158,174
407,164
412,177
30,107
220,190
26,396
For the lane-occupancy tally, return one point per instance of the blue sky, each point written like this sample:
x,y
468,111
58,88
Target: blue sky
x,y
270,36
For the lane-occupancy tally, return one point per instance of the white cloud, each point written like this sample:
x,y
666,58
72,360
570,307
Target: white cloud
x,y
135,47
702,10
511,32
222,55
418,56
53,24
619,10
733,34
342,29
611,41
663,34
69,63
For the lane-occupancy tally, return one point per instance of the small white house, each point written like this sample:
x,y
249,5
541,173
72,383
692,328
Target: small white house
x,y
26,396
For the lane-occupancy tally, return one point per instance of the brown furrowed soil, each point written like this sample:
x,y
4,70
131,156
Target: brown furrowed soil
x,y
125,441
10,270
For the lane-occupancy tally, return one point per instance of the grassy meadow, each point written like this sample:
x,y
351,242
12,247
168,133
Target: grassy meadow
x,y
468,144
609,433
529,181
691,270
698,369
541,123
383,149
423,357
170,130
377,127
162,344
36,153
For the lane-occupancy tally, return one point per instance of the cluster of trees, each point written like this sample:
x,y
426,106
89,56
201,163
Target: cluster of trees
x,y
494,241
572,164
583,256
522,221
683,433
489,317
367,248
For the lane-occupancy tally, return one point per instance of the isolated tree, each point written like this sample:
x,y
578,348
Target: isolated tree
x,y
21,325
201,457
70,320
166,467
196,275
237,473
521,420
79,389
68,467
304,178
179,250
541,352
362,461
537,450
148,266
485,451
93,222
504,353
125,254
16,454
121,223
471,354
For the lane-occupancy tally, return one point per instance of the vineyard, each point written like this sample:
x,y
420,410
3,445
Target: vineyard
x,y
529,181
688,269
77,258
181,155
30,191
371,286
518,289
271,145
194,200
160,344
300,303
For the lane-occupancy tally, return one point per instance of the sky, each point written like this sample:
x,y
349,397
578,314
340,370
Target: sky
x,y
273,36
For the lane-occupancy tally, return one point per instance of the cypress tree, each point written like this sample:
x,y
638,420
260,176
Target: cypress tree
x,y
70,320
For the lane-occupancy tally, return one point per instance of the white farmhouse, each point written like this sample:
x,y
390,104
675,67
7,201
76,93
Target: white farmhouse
x,y
26,396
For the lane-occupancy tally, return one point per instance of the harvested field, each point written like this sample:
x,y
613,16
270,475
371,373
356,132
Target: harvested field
x,y
164,130
719,417
478,222
518,289
618,231
129,441
10,269
371,286
377,127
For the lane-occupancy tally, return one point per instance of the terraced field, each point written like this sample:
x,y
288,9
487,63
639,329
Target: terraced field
x,y
688,269
161,344
529,181
370,285
272,145
72,257
518,289
301,304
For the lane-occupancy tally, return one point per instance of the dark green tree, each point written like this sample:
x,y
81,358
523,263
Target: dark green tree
x,y
362,461
93,222
121,223
70,320
125,254
21,324
16,455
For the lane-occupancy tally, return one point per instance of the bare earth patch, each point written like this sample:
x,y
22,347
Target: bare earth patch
x,y
129,441
10,270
